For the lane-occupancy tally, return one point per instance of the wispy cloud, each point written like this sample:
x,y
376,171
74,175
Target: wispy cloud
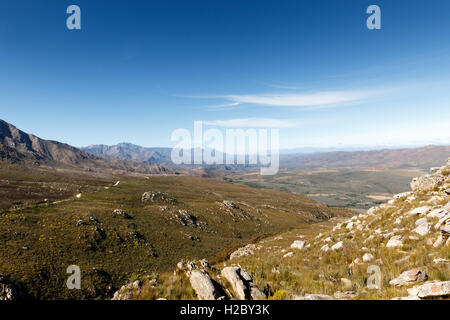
x,y
316,99
259,123
224,107
282,86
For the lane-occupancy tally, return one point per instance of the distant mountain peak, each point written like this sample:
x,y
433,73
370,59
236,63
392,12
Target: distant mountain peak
x,y
127,150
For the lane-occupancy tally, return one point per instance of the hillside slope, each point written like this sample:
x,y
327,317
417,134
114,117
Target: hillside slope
x,y
398,250
139,227
16,145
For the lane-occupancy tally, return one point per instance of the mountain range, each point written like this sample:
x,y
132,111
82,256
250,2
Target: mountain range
x,y
130,151
17,146
419,157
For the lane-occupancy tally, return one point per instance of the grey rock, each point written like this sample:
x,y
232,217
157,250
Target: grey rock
x,y
395,241
431,289
345,295
242,284
409,277
298,244
204,286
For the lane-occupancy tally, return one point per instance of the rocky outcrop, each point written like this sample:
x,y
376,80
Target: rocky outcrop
x,y
127,292
409,277
432,289
242,284
186,267
230,204
121,213
157,196
244,251
428,182
204,286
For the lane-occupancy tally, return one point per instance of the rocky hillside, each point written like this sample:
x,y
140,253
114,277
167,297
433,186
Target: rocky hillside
x,y
398,250
18,147
124,230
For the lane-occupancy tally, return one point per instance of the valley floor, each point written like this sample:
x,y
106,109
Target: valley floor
x,y
117,232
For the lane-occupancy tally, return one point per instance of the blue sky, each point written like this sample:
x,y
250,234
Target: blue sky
x,y
138,70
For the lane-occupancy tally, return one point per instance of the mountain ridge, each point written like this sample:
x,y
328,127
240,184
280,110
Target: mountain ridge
x,y
127,150
421,157
17,146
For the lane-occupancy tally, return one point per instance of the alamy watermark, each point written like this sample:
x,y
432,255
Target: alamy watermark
x,y
73,22
374,20
74,280
238,146
374,280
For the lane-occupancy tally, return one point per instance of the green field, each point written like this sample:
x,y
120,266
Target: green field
x,y
342,187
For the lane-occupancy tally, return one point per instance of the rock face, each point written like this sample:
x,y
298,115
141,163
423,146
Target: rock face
x,y
204,286
409,277
427,183
242,284
431,289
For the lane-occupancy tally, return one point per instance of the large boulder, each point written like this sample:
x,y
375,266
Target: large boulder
x,y
423,229
204,286
242,284
394,242
298,244
431,289
409,277
338,246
